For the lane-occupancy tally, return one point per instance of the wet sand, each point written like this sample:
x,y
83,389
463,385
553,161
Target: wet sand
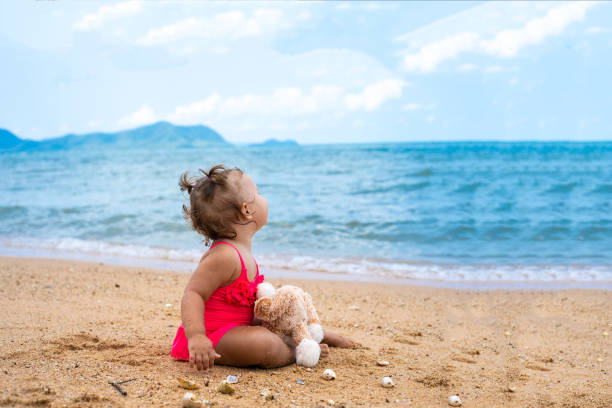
x,y
67,328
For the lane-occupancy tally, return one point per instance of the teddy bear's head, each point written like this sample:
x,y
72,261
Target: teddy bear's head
x,y
264,290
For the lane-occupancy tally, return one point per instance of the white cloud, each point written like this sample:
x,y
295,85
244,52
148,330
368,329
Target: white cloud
x,y
493,69
484,29
374,95
467,67
227,25
508,42
290,101
429,56
194,112
108,13
597,30
144,115
418,106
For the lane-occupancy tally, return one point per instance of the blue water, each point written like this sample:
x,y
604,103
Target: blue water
x,y
452,211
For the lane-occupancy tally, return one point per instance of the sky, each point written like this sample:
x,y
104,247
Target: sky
x,y
315,72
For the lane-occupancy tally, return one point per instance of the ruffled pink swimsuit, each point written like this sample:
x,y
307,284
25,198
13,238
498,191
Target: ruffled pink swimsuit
x,y
228,306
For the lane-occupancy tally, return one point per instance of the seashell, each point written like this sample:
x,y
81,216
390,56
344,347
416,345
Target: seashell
x,y
599,359
168,304
387,382
232,379
225,388
605,333
382,363
329,374
267,394
188,385
354,307
454,401
331,402
189,401
507,333
511,388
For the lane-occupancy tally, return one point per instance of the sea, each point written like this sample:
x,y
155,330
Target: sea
x,y
445,212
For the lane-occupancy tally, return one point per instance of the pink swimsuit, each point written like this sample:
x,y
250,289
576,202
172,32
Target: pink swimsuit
x,y
228,306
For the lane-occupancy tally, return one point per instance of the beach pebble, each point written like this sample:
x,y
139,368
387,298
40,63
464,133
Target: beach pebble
x,y
267,394
454,401
511,388
354,307
188,385
329,374
190,401
225,388
387,382
382,363
168,304
507,333
232,379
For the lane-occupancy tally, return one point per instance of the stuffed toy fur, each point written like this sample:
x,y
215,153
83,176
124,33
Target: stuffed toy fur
x,y
289,312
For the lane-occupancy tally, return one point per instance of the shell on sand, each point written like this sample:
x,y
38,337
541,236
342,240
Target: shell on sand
x,y
382,363
454,401
387,382
329,374
225,387
188,385
267,394
190,401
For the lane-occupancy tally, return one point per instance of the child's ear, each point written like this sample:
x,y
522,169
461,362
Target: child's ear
x,y
246,212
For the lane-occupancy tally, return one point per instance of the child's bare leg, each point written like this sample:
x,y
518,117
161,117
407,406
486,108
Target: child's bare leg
x,y
245,346
335,340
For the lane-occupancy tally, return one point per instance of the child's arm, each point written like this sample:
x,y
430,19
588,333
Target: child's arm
x,y
214,270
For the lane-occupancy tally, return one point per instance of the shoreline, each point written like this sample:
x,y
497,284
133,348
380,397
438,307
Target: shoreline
x,y
188,267
70,327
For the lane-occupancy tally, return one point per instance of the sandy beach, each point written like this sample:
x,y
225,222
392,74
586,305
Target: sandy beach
x,y
68,328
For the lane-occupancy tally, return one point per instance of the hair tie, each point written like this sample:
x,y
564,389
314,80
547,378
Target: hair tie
x,y
193,186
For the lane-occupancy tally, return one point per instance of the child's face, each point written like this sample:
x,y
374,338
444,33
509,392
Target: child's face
x,y
256,204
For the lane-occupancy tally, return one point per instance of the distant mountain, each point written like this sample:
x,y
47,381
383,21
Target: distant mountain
x,y
8,140
276,142
160,134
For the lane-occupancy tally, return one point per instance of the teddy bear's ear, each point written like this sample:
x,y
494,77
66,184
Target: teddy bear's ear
x,y
265,290
262,308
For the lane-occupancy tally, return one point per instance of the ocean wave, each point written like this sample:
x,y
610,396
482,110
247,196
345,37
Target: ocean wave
x,y
363,268
401,188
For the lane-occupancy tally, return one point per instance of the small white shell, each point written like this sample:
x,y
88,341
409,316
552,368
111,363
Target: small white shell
x,y
382,363
387,382
189,401
329,374
225,387
232,379
454,401
267,394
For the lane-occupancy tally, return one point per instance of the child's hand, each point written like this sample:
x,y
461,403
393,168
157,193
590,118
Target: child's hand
x,y
202,355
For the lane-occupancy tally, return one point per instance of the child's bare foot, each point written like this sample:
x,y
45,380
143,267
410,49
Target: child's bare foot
x,y
324,350
336,340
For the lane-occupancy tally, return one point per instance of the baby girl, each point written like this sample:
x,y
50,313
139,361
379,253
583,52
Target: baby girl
x,y
217,305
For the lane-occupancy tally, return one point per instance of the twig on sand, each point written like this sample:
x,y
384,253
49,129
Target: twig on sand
x,y
116,385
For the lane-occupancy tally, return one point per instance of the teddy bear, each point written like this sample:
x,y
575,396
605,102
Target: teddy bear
x,y
289,313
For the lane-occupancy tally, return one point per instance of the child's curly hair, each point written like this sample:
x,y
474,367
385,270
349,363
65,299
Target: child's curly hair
x,y
214,201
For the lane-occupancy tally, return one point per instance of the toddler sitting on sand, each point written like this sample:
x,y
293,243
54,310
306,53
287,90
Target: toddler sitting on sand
x,y
217,304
